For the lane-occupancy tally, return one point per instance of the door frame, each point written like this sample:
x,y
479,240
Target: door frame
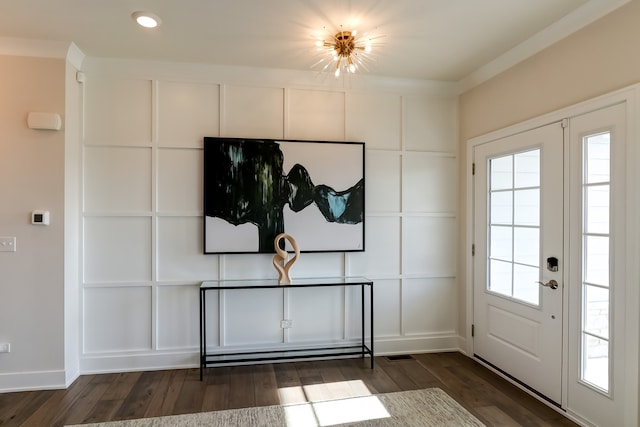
x,y
631,96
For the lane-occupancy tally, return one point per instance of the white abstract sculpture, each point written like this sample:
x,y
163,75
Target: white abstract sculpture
x,y
280,258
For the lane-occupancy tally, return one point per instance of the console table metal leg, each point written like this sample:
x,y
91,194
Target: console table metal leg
x,y
371,319
203,332
362,306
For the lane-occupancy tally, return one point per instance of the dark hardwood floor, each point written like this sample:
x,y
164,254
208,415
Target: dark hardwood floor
x,y
108,397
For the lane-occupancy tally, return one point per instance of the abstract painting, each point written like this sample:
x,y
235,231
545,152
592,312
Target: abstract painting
x,y
255,189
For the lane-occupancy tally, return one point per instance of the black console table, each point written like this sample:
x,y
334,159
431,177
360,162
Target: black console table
x,y
216,358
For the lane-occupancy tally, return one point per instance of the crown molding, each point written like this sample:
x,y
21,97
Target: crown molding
x,y
32,47
569,24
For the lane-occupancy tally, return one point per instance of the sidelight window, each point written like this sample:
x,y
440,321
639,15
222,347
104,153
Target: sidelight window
x,y
596,241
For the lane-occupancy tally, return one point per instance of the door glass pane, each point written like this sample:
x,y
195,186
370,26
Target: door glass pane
x,y
527,207
595,363
596,304
596,311
596,260
502,207
527,169
597,155
500,277
501,173
526,246
514,229
501,243
597,212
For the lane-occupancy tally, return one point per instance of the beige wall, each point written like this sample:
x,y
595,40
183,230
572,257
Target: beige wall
x,y
31,178
598,59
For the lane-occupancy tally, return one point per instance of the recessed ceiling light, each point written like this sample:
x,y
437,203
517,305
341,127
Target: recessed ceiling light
x,y
146,19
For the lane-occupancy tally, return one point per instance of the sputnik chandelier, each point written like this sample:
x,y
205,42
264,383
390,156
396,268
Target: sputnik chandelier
x,y
345,51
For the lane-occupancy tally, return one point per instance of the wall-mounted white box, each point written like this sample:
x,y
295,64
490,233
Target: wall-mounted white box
x,y
7,244
5,347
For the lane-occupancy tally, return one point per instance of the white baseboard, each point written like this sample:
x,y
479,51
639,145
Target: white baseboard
x,y
417,344
180,359
99,364
28,381
188,358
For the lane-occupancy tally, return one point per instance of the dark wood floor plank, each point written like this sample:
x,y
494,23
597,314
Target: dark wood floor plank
x,y
19,406
309,373
376,380
159,392
241,387
286,375
518,396
462,374
57,405
191,395
85,402
216,395
176,381
534,413
330,371
110,397
121,385
140,396
401,373
265,386
496,417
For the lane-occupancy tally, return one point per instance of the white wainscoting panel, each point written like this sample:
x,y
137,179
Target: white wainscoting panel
x,y
215,318
387,307
180,254
382,181
428,306
328,264
187,112
117,249
429,246
180,185
317,314
252,317
253,112
375,118
248,266
117,319
178,317
118,111
382,254
316,115
117,179
437,179
431,124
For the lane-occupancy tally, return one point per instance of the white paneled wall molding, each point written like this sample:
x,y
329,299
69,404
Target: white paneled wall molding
x,y
143,261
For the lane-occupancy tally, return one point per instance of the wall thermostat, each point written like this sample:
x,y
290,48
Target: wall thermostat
x,y
40,217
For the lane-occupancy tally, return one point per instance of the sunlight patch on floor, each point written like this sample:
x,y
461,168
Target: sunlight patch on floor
x,y
330,404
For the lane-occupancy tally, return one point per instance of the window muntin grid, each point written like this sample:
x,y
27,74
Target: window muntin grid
x,y
514,226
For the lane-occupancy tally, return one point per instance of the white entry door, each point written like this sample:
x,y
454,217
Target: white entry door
x,y
518,265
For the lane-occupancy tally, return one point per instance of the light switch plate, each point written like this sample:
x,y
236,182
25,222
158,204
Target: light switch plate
x,y
7,244
5,347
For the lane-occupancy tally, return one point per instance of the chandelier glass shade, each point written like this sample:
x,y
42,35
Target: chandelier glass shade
x,y
345,52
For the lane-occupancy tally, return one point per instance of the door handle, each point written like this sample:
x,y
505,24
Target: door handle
x,y
550,284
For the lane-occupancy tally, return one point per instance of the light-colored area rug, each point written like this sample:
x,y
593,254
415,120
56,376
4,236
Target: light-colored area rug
x,y
429,407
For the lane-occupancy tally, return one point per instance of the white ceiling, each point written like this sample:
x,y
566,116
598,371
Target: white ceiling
x,y
447,40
